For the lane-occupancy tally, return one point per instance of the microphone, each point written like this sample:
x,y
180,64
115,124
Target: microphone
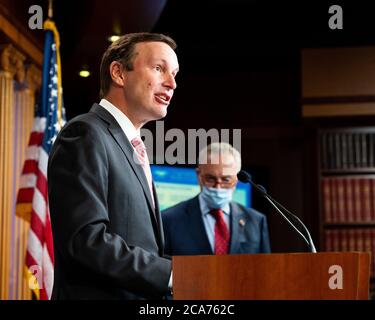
x,y
243,176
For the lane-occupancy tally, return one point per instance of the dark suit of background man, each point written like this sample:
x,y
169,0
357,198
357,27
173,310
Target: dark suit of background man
x,y
211,223
106,221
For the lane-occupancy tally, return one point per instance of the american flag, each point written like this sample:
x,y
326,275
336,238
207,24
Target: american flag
x,y
32,200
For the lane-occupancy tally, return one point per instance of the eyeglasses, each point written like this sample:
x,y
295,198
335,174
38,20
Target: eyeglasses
x,y
224,182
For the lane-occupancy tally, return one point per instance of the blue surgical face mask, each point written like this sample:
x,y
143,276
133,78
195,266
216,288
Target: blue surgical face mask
x,y
217,198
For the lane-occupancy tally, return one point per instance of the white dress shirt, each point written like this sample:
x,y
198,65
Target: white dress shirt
x,y
126,125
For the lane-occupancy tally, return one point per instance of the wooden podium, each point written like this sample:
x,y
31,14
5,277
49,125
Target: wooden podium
x,y
297,276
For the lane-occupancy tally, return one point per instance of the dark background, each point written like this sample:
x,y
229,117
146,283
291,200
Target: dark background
x,y
240,67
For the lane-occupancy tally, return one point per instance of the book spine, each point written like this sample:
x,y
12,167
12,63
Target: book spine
x,y
331,152
340,200
366,196
357,199
338,164
344,240
371,150
357,151
359,238
351,161
367,240
364,162
344,151
324,151
328,241
335,240
326,198
351,235
349,199
332,182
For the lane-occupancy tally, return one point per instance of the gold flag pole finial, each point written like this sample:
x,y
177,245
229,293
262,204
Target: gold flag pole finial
x,y
50,9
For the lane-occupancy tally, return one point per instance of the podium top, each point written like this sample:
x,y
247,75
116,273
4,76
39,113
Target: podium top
x,y
311,276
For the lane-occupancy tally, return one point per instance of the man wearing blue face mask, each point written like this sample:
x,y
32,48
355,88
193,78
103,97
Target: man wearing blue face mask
x,y
211,223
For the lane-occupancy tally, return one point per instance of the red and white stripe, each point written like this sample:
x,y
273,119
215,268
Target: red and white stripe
x,y
34,189
30,168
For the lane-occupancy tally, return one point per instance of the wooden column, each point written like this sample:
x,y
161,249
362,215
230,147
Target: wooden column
x,y
24,106
11,67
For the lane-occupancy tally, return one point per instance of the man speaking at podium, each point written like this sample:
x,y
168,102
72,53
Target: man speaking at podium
x,y
105,216
211,223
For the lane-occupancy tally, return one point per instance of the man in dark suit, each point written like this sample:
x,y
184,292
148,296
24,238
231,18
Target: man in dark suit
x,y
106,223
211,223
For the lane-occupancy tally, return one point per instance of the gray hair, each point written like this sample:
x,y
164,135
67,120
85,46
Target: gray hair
x,y
219,149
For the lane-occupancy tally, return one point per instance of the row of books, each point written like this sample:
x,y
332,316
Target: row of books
x,y
344,150
348,199
352,239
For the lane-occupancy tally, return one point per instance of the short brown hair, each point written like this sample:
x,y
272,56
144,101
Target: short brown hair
x,y
122,50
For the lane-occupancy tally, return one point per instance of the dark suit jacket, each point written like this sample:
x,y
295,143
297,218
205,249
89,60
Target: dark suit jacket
x,y
108,240
185,233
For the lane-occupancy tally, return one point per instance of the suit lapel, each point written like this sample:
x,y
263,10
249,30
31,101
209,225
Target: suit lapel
x,y
197,226
123,142
127,149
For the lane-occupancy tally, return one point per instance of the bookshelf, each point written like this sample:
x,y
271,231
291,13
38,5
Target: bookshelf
x,y
347,190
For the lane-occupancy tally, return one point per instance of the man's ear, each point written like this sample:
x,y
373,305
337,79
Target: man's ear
x,y
200,182
198,175
116,71
197,171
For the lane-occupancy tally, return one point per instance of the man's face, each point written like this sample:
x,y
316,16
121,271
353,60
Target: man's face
x,y
150,85
220,172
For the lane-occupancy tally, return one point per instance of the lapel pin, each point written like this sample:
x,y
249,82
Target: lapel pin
x,y
241,222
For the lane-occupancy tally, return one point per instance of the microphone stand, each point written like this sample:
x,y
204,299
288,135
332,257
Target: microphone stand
x,y
244,176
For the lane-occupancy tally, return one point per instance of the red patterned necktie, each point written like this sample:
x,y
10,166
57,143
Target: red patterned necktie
x,y
221,232
142,159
